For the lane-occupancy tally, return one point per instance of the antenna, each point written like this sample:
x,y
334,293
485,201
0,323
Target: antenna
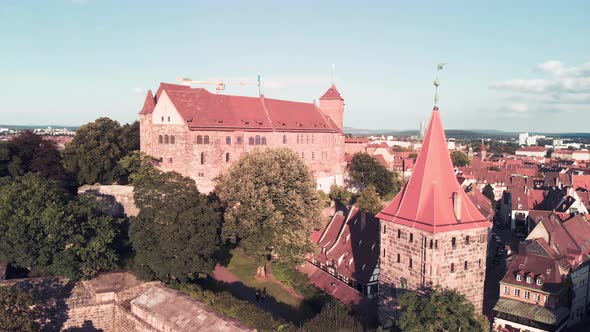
x,y
259,82
436,82
332,75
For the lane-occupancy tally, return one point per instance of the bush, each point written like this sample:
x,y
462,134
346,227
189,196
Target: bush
x,y
288,275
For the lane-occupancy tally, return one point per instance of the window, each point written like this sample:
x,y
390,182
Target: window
x,y
467,239
465,265
517,292
303,155
202,158
162,119
399,233
284,139
506,290
172,139
452,267
383,252
527,294
411,237
170,160
263,140
257,140
546,298
199,139
435,244
206,139
297,139
410,263
160,139
529,280
239,140
251,140
227,157
537,297
201,175
307,139
518,277
168,119
479,263
539,281
431,243
228,140
312,140
403,283
399,258
166,139
453,242
384,229
312,155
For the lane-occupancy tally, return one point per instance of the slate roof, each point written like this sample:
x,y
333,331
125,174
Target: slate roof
x,y
426,201
531,311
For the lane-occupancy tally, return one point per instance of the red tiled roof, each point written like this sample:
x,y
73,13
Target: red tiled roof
x,y
356,140
426,200
481,202
203,110
533,148
581,181
148,104
535,266
332,94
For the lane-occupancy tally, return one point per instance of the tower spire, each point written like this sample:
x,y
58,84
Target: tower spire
x,y
436,82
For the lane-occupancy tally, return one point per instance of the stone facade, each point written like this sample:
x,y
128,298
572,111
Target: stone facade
x,y
434,261
203,154
117,199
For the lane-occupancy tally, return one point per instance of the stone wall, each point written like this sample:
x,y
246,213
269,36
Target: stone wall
x,y
118,200
427,259
91,317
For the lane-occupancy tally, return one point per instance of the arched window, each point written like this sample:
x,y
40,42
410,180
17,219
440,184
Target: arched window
x,y
166,139
199,139
257,139
284,139
160,139
227,157
228,140
206,139
168,119
172,139
251,140
239,140
202,158
263,140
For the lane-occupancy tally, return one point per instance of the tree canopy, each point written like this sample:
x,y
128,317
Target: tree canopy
x,y
272,206
459,159
437,311
369,200
333,317
94,153
43,227
18,310
176,233
365,170
488,191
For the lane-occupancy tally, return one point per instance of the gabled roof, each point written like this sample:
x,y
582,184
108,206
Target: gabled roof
x,y
148,104
426,201
332,94
202,110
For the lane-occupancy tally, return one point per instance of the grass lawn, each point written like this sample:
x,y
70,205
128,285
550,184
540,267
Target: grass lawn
x,y
245,269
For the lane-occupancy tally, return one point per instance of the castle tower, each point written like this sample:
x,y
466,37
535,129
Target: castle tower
x,y
332,104
482,151
431,233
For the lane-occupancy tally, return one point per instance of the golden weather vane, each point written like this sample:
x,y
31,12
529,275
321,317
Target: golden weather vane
x,y
439,67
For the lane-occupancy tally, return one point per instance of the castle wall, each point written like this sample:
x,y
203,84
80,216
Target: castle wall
x,y
431,264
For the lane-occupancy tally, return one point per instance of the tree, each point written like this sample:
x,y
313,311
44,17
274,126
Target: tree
x,y
488,191
176,233
459,159
272,206
340,195
135,166
333,317
364,170
437,310
94,153
18,310
369,200
41,229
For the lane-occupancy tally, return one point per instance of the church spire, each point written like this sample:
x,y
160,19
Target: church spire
x,y
436,82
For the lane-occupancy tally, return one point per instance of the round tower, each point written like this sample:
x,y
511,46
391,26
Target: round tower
x,y
332,105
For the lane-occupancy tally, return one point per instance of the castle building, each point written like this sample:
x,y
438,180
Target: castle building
x,y
199,134
431,233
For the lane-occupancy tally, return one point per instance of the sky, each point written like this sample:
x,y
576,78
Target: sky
x,y
512,65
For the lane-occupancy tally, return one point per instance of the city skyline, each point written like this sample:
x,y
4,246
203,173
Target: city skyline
x,y
85,59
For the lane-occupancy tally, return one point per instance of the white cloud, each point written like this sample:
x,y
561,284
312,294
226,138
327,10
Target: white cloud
x,y
138,90
529,86
518,108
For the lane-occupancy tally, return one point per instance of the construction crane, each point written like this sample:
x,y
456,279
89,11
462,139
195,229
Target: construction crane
x,y
219,84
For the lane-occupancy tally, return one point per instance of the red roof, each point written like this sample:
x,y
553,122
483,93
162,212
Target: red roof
x,y
149,104
533,148
332,94
426,200
201,109
581,181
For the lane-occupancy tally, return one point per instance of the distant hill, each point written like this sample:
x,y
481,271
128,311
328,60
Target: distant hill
x,y
31,127
460,133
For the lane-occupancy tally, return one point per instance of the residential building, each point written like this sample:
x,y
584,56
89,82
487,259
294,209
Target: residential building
x,y
532,151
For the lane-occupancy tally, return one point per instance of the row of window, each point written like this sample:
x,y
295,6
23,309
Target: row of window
x,y
166,139
527,294
252,140
203,157
324,155
433,244
411,262
529,280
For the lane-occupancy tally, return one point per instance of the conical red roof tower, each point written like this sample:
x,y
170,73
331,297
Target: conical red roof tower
x,y
433,200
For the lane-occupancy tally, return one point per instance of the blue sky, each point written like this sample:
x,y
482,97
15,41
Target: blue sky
x,y
512,65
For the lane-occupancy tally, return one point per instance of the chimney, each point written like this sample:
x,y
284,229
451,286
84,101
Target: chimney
x,y
457,205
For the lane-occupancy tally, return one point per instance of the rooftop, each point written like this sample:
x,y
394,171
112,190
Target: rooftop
x,y
532,311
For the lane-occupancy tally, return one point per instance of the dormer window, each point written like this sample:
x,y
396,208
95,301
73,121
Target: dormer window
x,y
539,282
529,280
518,277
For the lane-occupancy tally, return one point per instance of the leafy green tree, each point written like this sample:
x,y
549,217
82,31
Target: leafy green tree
x,y
18,310
488,191
459,159
333,317
41,229
369,200
413,155
272,206
340,195
94,153
136,165
176,233
129,137
438,310
364,170
494,168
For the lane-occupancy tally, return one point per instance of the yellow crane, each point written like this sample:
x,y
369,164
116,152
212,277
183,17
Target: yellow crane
x,y
219,84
